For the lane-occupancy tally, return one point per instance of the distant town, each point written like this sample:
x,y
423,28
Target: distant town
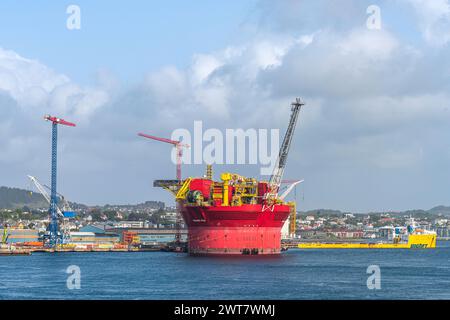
x,y
22,209
326,224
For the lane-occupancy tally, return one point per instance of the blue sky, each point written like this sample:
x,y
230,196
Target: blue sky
x,y
128,38
132,39
374,134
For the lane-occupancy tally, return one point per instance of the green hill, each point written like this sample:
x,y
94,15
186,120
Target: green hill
x,y
440,210
13,198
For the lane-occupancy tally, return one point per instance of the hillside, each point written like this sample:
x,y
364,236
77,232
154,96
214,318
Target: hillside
x,y
440,210
12,198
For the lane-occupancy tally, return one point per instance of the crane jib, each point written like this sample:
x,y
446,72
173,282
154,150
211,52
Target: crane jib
x,y
275,179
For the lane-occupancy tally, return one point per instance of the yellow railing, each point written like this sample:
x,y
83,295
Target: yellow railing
x,y
181,194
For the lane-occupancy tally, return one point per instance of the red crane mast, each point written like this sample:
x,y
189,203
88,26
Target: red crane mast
x,y
178,146
179,152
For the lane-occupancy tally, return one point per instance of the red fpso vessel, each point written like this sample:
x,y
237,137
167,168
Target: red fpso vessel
x,y
230,216
233,228
231,231
236,215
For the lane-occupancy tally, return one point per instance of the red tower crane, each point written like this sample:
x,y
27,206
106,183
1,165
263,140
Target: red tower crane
x,y
178,146
179,150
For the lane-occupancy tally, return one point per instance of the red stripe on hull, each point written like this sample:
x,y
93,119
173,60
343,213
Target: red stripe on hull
x,y
235,230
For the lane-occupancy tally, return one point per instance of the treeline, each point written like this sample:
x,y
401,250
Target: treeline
x,y
156,217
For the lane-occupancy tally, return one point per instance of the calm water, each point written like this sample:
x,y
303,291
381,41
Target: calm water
x,y
296,274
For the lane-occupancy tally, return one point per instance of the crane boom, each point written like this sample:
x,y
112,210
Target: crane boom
x,y
289,189
43,192
59,212
65,203
56,120
277,175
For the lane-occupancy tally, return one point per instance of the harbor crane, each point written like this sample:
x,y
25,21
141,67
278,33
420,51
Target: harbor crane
x,y
5,234
65,212
179,155
275,180
53,211
44,193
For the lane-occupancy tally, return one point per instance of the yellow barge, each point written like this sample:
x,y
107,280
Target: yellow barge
x,y
415,241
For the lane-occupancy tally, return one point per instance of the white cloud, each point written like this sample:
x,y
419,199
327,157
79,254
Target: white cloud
x,y
434,19
370,44
20,76
374,102
215,83
202,67
36,87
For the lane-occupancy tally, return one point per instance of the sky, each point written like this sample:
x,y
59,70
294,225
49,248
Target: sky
x,y
374,134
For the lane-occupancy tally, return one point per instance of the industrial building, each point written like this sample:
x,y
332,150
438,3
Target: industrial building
x,y
149,235
93,235
12,235
90,238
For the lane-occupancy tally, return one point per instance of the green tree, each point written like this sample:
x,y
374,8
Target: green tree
x,y
137,216
157,217
96,214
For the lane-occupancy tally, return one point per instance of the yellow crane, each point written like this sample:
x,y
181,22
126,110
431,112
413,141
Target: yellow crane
x,y
5,235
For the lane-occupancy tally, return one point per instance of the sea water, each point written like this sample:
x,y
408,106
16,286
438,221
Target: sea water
x,y
295,274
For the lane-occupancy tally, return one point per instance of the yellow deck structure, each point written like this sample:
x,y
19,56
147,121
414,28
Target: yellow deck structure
x,y
415,241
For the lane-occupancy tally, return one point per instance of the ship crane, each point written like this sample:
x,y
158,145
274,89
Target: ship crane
x,y
275,180
179,154
289,189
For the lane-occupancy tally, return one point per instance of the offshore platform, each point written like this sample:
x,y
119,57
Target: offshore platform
x,y
236,215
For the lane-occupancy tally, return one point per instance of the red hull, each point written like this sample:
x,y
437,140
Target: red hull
x,y
234,230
